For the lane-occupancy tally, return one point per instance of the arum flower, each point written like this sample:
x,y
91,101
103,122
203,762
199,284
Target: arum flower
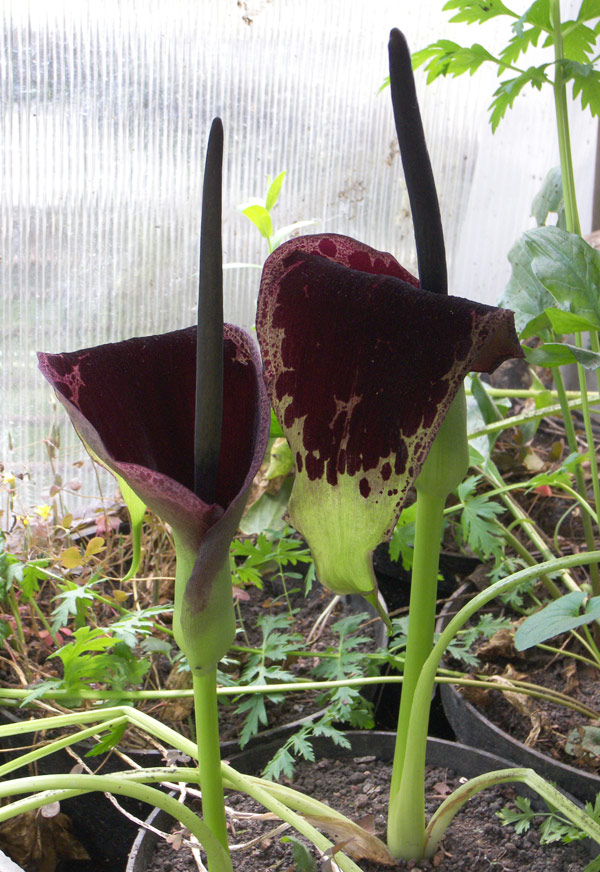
x,y
133,404
362,366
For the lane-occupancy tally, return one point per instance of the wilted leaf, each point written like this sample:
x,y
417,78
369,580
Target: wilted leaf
x,y
38,843
358,843
93,547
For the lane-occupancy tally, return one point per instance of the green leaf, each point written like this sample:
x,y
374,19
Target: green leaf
x,y
509,89
260,218
477,11
303,861
554,354
567,322
273,192
557,617
267,512
403,537
524,293
477,522
549,199
586,81
589,9
567,267
109,741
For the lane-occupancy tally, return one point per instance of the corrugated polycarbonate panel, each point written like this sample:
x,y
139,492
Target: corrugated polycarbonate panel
x,y
105,110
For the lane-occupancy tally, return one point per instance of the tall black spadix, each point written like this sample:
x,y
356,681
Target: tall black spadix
x,y
209,360
425,208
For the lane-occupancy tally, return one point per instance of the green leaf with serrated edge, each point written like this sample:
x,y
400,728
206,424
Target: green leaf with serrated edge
x,y
524,293
549,198
260,218
557,617
509,89
109,741
477,12
273,191
589,9
586,82
552,354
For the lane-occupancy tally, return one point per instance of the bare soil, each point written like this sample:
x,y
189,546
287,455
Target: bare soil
x,y
359,787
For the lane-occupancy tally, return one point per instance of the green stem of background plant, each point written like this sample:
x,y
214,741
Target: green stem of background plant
x,y
209,754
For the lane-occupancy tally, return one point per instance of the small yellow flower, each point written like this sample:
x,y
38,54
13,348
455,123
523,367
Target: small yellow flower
x,y
44,511
9,479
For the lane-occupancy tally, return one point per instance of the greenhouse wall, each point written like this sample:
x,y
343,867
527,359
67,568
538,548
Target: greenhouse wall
x,y
105,111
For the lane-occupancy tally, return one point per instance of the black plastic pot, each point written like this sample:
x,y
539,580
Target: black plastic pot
x,y
467,761
472,728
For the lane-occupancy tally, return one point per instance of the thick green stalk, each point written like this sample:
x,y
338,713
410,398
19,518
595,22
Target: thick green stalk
x,y
443,470
422,611
209,754
403,843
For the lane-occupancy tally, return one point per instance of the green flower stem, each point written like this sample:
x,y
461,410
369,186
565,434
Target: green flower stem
x,y
74,784
444,814
422,611
401,840
209,754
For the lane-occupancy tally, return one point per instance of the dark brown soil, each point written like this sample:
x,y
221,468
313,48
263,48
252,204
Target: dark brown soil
x,y
476,840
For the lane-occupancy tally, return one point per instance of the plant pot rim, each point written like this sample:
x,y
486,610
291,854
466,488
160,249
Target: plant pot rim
x,y
469,761
471,726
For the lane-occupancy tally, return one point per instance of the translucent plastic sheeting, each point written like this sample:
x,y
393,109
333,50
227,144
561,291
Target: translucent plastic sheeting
x,y
105,110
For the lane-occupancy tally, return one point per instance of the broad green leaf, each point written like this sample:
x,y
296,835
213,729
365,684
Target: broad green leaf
x,y
553,354
566,322
267,512
260,218
549,199
558,617
274,191
524,293
567,267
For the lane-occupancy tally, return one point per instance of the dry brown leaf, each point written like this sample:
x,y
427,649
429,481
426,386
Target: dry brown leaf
x,y
569,673
38,843
498,645
524,704
359,844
